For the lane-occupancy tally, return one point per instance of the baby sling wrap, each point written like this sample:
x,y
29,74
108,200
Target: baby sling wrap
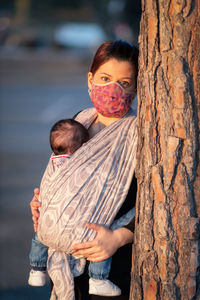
x,y
90,187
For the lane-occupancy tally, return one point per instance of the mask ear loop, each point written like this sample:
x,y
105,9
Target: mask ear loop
x,y
111,82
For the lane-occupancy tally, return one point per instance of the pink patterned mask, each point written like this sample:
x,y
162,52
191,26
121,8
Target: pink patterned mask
x,y
110,99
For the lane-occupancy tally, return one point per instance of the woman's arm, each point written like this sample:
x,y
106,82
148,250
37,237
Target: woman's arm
x,y
105,244
102,247
35,205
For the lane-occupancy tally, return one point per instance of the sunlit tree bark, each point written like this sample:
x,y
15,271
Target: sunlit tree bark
x,y
166,246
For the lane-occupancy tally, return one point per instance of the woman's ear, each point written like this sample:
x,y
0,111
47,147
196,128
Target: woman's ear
x,y
90,77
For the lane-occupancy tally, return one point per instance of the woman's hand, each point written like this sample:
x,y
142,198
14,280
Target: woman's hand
x,y
35,205
105,243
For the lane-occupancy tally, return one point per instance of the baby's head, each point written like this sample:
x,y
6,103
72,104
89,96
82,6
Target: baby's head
x,y
67,135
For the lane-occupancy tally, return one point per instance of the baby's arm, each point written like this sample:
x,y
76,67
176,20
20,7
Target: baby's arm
x,y
123,220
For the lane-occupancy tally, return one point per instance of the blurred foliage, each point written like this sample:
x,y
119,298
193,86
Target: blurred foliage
x,y
131,10
119,18
45,5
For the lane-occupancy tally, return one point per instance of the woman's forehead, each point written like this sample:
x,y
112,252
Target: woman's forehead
x,y
115,67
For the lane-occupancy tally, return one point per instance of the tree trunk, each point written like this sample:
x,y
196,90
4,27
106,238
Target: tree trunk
x,y
166,247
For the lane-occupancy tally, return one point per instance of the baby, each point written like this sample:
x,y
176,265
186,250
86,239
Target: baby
x,y
66,136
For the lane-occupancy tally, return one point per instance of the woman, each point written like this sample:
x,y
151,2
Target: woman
x,y
114,68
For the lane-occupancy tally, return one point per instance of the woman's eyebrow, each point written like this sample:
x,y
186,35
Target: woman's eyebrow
x,y
105,73
126,77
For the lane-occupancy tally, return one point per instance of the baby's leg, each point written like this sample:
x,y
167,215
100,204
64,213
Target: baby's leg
x,y
38,261
100,270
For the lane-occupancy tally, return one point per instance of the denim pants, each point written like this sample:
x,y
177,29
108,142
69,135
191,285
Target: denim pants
x,y
100,270
38,254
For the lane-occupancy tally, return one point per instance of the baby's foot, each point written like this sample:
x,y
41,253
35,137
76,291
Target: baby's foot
x,y
103,287
37,278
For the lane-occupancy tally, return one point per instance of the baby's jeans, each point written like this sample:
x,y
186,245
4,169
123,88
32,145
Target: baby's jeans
x,y
38,254
100,270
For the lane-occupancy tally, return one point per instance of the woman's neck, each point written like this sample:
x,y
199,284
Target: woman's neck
x,y
99,123
105,120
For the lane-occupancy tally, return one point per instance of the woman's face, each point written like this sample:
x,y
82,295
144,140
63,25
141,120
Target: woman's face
x,y
114,70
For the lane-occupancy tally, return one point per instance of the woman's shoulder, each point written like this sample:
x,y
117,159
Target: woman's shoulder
x,y
87,112
74,116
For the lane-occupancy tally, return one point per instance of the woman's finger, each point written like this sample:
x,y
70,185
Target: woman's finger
x,y
85,245
35,211
35,205
35,219
36,193
103,246
35,197
94,226
35,223
97,258
35,227
87,252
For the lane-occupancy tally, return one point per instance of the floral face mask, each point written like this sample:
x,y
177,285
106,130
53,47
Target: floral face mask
x,y
111,99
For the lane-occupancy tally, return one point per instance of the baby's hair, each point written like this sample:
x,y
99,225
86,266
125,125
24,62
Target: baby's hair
x,y
67,135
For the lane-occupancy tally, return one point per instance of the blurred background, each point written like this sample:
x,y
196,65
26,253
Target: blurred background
x,y
46,48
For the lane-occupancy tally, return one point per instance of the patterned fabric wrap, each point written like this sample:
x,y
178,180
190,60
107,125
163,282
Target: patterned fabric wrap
x,y
91,186
58,160
111,99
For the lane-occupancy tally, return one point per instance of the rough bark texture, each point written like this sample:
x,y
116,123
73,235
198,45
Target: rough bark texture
x,y
166,246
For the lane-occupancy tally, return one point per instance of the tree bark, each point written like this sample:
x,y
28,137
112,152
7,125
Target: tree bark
x,y
166,246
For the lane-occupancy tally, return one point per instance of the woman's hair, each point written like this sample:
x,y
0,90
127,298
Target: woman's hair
x,y
120,50
67,135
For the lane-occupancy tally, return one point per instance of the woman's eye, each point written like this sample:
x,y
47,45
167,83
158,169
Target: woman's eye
x,y
125,84
104,78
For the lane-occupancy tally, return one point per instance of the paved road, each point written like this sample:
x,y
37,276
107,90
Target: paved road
x,y
36,89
